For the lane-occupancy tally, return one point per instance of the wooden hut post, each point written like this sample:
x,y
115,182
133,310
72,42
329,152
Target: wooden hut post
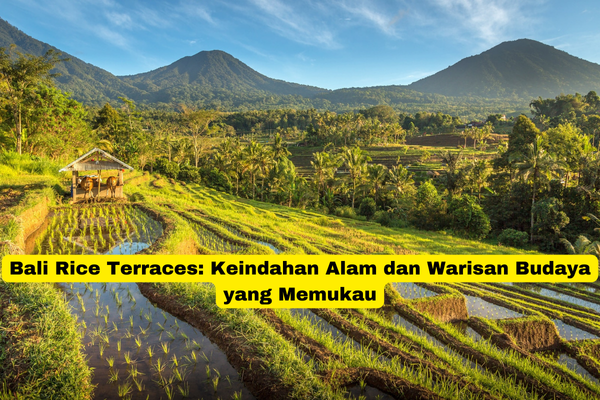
x,y
74,184
99,179
120,177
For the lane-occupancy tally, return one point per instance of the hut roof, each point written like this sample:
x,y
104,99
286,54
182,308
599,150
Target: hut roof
x,y
94,160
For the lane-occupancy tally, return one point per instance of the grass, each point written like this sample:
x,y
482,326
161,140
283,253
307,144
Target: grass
x,y
40,347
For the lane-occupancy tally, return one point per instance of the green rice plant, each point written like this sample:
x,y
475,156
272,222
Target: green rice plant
x,y
124,389
119,345
174,361
101,348
143,331
127,356
171,335
165,347
159,367
150,351
138,384
169,391
194,358
114,376
184,336
215,383
133,372
115,328
177,374
184,389
208,372
236,396
148,317
110,361
160,327
138,342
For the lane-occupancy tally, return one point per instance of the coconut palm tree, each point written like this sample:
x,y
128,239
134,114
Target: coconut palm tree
x,y
355,161
538,166
377,174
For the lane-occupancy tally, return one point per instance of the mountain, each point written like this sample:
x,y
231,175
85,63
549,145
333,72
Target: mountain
x,y
212,78
86,82
522,69
216,70
503,79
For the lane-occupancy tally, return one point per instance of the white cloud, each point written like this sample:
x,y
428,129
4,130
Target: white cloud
x,y
488,20
119,19
299,24
373,14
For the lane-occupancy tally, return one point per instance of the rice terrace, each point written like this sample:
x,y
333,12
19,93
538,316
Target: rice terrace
x,y
495,155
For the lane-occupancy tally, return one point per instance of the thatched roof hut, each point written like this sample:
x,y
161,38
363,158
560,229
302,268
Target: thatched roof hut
x,y
96,160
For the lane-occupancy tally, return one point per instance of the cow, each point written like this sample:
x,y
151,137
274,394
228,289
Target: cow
x,y
111,184
87,184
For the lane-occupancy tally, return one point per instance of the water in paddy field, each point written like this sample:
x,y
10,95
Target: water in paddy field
x,y
480,308
569,332
570,299
153,354
572,364
409,290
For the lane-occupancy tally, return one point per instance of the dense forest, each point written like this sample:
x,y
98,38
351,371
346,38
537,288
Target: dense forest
x,y
540,187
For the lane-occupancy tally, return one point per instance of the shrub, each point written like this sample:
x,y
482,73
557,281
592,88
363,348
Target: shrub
x,y
189,173
345,212
468,218
513,237
367,207
167,168
216,179
382,217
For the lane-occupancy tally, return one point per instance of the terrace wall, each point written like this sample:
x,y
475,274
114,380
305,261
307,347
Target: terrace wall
x,y
446,308
531,334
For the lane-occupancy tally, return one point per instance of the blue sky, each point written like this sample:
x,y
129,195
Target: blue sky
x,y
327,43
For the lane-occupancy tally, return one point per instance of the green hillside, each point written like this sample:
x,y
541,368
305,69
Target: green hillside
x,y
86,82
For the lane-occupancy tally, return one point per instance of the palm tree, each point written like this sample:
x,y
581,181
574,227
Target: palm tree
x,y
400,179
279,148
377,176
356,162
582,246
451,160
537,164
251,157
325,164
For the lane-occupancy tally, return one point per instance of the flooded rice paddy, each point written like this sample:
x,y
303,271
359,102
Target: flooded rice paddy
x,y
140,351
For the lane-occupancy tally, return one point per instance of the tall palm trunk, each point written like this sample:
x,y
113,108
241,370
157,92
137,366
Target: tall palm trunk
x,y
533,202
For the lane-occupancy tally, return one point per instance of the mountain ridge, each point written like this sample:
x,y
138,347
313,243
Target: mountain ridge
x,y
542,70
509,73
